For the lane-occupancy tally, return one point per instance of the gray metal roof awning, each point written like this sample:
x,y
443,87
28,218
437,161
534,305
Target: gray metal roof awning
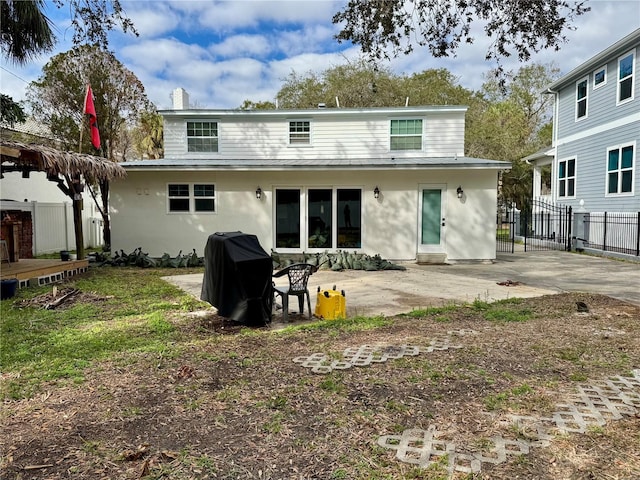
x,y
221,164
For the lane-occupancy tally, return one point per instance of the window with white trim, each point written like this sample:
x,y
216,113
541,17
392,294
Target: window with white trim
x,y
406,134
600,77
581,98
299,132
567,178
191,198
620,161
625,77
202,136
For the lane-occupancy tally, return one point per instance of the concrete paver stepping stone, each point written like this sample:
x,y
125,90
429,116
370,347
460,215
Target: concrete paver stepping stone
x,y
593,404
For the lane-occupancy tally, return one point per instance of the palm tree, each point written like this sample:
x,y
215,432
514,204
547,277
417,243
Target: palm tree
x,y
26,30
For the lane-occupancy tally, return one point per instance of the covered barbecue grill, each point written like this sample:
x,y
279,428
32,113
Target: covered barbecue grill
x,y
237,278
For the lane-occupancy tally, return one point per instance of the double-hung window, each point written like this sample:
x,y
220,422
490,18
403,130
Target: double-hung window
x,y
202,136
406,134
581,98
567,178
620,162
191,197
626,69
299,132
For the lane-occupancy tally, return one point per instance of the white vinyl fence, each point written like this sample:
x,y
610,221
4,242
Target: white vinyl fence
x,y
53,225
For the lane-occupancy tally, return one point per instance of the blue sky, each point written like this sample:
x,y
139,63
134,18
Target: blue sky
x,y
223,52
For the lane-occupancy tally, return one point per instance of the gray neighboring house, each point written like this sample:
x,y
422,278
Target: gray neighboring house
x,y
596,132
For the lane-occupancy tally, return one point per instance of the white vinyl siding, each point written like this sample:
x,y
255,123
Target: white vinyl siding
x,y
333,138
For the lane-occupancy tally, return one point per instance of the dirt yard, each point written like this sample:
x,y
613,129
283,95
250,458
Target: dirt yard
x,y
233,404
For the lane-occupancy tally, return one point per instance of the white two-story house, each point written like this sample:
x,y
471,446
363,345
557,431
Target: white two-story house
x,y
596,133
388,181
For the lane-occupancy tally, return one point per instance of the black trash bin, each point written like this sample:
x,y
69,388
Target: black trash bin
x,y
237,278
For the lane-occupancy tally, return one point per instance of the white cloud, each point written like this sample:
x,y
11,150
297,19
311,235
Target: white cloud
x,y
152,20
223,52
257,45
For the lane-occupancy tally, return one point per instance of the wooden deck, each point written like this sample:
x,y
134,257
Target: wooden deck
x,y
30,271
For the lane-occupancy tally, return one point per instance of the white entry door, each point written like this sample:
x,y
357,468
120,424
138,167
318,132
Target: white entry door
x,y
431,219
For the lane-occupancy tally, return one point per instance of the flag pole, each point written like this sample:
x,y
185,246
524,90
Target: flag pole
x,y
74,185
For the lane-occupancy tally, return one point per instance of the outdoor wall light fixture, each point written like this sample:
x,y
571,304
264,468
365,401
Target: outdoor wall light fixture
x,y
258,193
376,192
459,191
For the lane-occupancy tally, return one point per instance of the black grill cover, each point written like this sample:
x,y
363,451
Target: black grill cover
x,y
237,278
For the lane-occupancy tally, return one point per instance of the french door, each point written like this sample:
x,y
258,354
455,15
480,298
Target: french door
x,y
318,218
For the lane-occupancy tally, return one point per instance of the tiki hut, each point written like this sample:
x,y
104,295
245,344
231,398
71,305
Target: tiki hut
x,y
39,158
69,170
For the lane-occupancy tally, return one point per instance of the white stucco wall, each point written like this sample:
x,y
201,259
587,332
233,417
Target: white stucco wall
x,y
389,228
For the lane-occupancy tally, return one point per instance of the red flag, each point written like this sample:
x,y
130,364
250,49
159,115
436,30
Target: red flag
x,y
90,109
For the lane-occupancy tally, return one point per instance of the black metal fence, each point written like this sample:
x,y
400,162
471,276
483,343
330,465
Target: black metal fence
x,y
546,226
538,226
613,232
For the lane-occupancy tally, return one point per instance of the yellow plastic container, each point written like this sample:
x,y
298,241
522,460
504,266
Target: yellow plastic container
x,y
331,304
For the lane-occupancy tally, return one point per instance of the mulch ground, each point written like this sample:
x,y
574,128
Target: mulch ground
x,y
234,405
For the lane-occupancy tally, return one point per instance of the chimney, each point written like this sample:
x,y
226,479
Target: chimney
x,y
180,99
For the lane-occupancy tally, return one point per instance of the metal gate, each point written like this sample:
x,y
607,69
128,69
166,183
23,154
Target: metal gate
x,y
538,226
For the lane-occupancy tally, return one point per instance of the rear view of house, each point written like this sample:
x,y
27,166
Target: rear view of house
x,y
388,181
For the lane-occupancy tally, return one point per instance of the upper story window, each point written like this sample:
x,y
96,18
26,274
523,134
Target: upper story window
x,y
406,134
567,178
299,132
625,77
600,77
202,136
581,98
186,197
620,162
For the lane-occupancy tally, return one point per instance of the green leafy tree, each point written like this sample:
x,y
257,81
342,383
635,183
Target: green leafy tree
x,y
353,85
27,33
515,122
364,84
249,105
91,20
11,111
57,98
148,135
386,28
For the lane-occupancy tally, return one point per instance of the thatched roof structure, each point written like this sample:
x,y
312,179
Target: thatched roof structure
x,y
32,157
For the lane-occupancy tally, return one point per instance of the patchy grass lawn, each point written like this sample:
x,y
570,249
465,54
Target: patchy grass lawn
x,y
136,379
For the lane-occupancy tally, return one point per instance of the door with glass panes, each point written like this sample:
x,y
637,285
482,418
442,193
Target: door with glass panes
x,y
318,218
431,219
